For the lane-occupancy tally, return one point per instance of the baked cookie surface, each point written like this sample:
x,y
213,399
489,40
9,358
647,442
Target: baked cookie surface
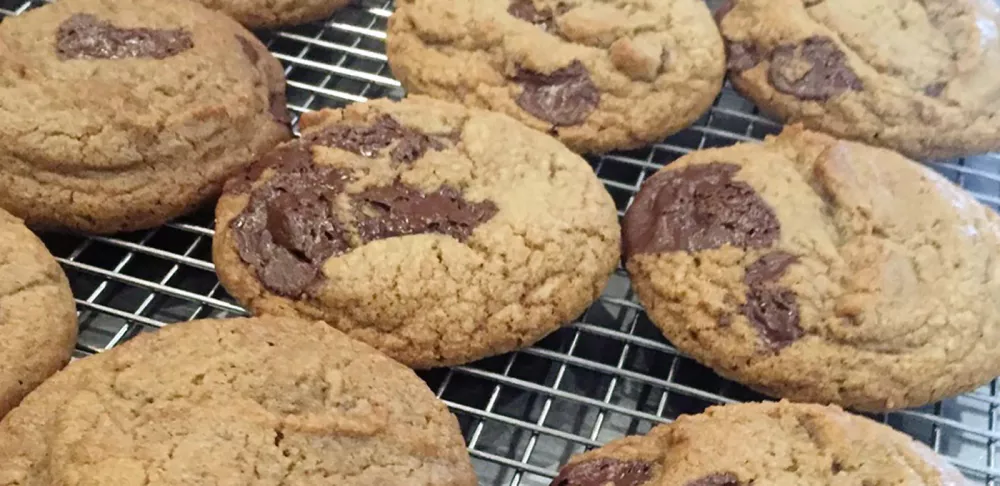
x,y
274,13
264,401
919,77
437,234
37,313
820,270
597,74
763,444
120,116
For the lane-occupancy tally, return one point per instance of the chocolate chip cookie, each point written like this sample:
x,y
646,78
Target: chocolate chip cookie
x,y
820,270
239,401
437,234
122,115
919,77
274,13
37,313
763,444
597,74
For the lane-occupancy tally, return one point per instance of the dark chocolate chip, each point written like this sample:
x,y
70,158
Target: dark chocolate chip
x,y
248,50
696,208
368,141
769,268
412,146
362,140
84,36
770,308
935,90
741,56
565,97
816,69
605,472
288,228
291,157
526,11
400,210
717,479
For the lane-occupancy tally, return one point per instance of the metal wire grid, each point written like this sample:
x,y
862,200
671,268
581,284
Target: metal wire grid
x,y
523,414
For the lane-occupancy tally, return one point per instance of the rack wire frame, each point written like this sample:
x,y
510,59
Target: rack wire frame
x,y
608,374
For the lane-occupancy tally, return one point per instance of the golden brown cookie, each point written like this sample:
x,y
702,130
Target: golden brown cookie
x,y
37,314
264,401
921,77
122,115
763,444
597,74
435,233
258,14
820,270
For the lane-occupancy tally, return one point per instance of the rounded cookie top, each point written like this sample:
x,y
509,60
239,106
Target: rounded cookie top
x,y
271,13
820,270
239,401
763,444
597,74
119,116
436,233
37,313
919,77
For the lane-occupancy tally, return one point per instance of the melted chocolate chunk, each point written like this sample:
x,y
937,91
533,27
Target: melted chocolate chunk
x,y
741,56
526,11
605,472
289,157
826,72
84,36
368,141
400,210
717,479
248,50
770,308
288,228
564,98
696,208
412,146
769,268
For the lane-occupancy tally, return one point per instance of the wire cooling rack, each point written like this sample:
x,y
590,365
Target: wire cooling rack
x,y
523,414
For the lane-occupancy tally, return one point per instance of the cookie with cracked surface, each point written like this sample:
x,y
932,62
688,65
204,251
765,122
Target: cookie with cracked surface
x,y
37,313
264,14
120,116
597,74
263,401
763,444
437,234
812,269
921,77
